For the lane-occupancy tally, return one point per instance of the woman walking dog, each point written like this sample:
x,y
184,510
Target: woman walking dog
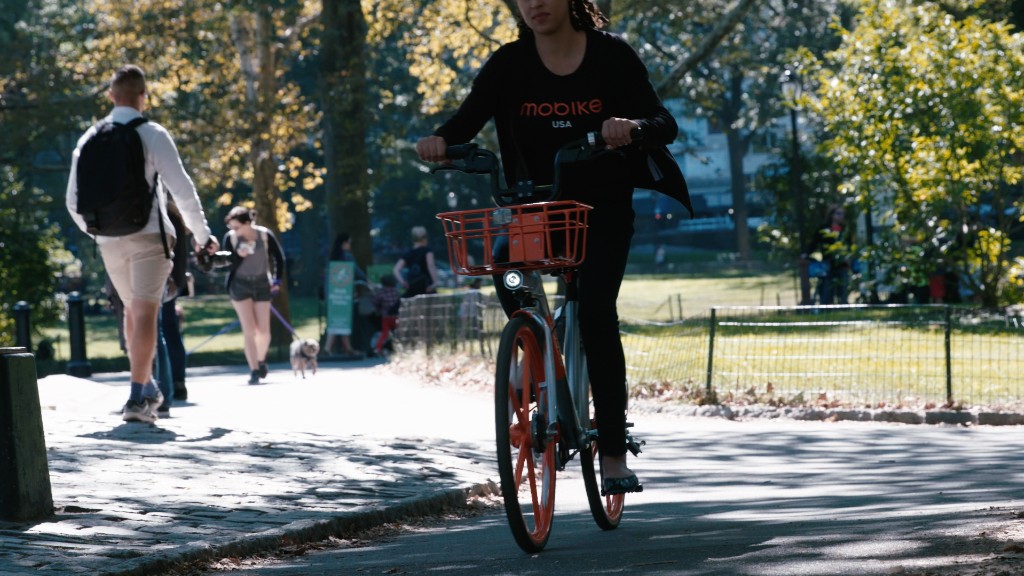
x,y
257,264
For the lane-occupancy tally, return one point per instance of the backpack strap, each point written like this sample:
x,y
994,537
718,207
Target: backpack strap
x,y
134,123
160,217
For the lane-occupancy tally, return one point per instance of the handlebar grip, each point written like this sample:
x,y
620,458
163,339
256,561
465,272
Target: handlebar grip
x,y
460,151
595,140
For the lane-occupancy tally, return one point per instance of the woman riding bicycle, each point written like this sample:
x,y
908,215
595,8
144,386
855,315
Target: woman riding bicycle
x,y
562,79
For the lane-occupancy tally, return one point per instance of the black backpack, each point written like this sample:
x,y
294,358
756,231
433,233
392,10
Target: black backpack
x,y
113,195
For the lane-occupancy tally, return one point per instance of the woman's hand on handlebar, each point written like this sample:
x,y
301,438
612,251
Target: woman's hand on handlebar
x,y
616,132
432,149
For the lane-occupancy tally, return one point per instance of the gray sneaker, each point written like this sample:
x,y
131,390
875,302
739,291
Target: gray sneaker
x,y
137,412
153,402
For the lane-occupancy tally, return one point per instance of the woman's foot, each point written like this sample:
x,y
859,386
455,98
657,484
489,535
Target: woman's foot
x,y
263,369
615,467
254,377
616,478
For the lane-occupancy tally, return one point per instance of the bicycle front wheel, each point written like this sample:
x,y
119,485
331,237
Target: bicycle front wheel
x,y
526,453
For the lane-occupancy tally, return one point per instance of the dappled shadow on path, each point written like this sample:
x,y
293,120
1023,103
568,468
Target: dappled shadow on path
x,y
152,489
811,500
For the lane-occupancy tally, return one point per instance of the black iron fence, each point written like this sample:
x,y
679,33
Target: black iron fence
x,y
841,355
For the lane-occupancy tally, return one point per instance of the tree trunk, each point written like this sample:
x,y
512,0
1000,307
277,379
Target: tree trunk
x,y
737,145
738,186
343,82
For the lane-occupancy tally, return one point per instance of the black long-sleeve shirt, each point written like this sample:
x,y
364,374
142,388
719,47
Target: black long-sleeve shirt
x,y
536,111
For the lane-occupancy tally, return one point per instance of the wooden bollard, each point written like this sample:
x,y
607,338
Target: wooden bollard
x,y
24,472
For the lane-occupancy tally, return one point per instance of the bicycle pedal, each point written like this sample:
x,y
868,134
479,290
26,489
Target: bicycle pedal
x,y
634,446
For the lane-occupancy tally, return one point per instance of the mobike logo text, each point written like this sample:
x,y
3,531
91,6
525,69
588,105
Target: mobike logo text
x,y
558,110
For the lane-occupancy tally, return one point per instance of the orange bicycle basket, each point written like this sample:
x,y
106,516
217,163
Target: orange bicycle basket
x,y
540,236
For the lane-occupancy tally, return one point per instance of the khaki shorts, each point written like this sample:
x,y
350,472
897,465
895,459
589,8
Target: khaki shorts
x,y
137,266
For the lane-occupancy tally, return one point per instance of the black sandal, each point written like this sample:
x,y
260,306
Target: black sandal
x,y
612,486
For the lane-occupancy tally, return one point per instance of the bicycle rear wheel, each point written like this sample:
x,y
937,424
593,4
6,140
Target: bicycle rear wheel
x,y
606,510
526,457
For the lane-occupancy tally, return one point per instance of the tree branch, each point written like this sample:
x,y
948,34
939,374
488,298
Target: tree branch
x,y
302,24
713,39
480,32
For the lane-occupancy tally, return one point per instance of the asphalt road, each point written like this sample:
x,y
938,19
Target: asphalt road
x,y
760,497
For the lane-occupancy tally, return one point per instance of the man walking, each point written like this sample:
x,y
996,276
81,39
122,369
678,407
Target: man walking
x,y
121,172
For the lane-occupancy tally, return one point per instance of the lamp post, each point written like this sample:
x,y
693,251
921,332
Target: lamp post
x,y
791,91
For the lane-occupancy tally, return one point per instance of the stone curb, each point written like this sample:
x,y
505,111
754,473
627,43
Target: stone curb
x,y
308,531
957,417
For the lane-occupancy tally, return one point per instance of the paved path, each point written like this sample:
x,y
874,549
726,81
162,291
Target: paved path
x,y
755,498
246,468
238,467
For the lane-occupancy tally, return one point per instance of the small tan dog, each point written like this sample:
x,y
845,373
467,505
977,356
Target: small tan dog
x,y
303,355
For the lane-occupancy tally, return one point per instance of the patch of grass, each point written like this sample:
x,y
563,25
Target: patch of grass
x,y
207,323
208,327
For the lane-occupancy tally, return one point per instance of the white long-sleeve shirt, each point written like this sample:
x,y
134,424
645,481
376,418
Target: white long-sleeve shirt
x,y
161,158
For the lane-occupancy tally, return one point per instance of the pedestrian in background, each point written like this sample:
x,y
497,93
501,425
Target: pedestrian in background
x,y
170,320
831,244
418,263
341,251
254,277
386,302
138,262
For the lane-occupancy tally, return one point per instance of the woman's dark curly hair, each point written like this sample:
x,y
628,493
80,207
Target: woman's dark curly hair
x,y
583,14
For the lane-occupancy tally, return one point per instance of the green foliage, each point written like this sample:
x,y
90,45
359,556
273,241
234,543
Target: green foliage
x,y
781,231
924,117
737,86
200,58
31,254
450,40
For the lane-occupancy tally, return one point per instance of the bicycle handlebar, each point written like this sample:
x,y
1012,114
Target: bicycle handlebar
x,y
472,159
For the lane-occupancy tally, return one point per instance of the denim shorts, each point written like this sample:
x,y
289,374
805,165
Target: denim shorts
x,y
256,288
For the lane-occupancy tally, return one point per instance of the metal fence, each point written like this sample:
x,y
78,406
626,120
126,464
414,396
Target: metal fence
x,y
839,355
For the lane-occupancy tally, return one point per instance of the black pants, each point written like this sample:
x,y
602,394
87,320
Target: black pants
x,y
175,345
599,278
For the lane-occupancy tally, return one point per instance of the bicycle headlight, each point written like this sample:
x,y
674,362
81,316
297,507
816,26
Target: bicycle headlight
x,y
513,279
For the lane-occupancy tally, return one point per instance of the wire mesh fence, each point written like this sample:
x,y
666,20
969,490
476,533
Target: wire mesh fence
x,y
845,355
868,354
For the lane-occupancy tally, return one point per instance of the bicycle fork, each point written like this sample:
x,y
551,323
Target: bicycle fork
x,y
558,408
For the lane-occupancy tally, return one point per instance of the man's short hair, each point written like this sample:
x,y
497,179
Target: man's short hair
x,y
128,82
419,233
